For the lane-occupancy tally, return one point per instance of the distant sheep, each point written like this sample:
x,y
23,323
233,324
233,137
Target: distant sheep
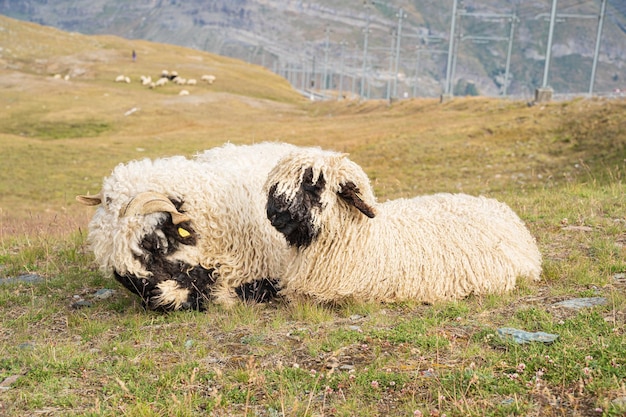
x,y
146,80
122,79
183,93
161,82
209,79
429,248
191,81
179,232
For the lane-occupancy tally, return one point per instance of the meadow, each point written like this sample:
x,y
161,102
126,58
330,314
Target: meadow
x,y
559,165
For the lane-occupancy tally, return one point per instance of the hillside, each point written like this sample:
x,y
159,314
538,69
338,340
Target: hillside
x,y
326,37
81,128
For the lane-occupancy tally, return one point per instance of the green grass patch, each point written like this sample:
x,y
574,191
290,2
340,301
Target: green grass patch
x,y
58,130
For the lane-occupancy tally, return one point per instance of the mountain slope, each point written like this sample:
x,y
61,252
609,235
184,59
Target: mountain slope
x,y
290,37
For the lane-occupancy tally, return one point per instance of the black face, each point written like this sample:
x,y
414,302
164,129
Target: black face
x,y
294,218
164,241
197,280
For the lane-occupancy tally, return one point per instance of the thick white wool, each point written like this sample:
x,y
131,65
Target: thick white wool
x,y
222,194
428,248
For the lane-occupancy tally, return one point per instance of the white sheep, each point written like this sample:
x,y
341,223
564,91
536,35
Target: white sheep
x,y
121,79
208,78
180,231
428,248
146,80
183,93
161,82
191,81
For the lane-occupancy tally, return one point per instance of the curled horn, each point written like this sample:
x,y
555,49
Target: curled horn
x,y
90,200
150,202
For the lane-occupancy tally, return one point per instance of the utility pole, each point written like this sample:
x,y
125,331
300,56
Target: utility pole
x,y
393,38
401,15
365,39
324,82
417,68
343,47
446,92
455,55
597,49
545,93
509,50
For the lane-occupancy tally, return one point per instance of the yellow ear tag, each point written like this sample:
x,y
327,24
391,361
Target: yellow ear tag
x,y
183,233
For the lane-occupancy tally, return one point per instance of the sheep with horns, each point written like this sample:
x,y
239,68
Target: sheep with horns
x,y
429,248
180,232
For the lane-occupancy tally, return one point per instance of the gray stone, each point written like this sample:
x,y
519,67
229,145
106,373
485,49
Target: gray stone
x,y
522,336
619,402
24,278
103,293
578,303
8,381
26,346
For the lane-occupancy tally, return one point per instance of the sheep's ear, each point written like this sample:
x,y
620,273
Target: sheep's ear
x,y
90,200
349,192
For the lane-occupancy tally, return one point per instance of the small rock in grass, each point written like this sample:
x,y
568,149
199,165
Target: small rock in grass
x,y
103,293
619,402
578,303
522,336
24,278
8,381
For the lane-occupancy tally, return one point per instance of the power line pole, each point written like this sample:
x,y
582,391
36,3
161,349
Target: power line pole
x,y
401,15
417,68
324,83
446,91
509,50
365,39
341,61
545,93
455,53
393,38
546,67
597,49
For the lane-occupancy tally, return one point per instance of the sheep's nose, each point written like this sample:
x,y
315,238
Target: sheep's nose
x,y
279,219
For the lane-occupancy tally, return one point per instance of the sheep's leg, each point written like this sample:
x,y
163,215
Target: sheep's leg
x,y
264,290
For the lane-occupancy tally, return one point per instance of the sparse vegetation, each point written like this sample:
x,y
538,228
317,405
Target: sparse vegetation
x,y
561,166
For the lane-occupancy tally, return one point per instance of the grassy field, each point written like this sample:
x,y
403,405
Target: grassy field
x,y
559,165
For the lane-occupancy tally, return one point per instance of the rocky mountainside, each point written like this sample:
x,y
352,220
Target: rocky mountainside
x,y
321,43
